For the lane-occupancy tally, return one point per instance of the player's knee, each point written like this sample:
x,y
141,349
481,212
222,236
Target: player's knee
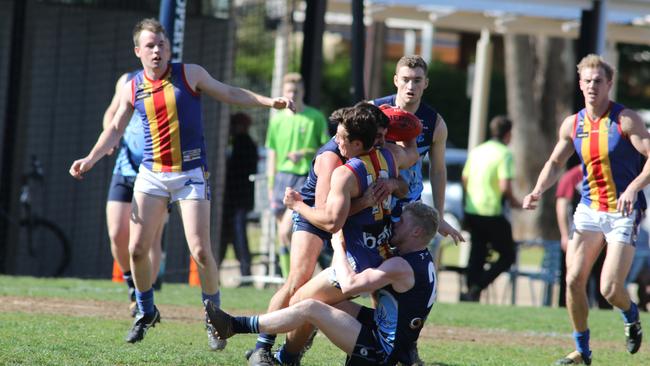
x,y
610,289
137,251
309,307
575,282
201,256
295,281
297,297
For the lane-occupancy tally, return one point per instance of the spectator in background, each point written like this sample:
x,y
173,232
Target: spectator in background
x,y
240,191
567,198
487,180
291,141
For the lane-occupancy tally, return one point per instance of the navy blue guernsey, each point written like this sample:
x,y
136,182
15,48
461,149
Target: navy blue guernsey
x,y
413,175
308,190
400,316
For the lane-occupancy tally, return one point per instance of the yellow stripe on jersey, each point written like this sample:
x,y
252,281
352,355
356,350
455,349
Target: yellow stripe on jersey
x,y
174,127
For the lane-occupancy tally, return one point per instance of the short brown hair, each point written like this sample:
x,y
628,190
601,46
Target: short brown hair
x,y
425,216
412,62
380,118
500,126
594,61
150,24
293,78
360,125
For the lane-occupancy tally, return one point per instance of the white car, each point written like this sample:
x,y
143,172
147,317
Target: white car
x,y
455,160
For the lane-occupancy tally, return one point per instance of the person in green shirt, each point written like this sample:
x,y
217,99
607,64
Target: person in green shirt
x,y
487,181
292,141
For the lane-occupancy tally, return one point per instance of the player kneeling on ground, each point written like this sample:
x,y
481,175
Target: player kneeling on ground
x,y
404,290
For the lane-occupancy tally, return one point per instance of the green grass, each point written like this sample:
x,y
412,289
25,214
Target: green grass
x,y
457,334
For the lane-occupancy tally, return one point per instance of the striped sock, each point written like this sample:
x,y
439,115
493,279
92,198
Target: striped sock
x,y
215,298
128,279
245,324
265,341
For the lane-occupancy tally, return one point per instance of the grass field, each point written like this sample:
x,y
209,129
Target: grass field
x,y
79,322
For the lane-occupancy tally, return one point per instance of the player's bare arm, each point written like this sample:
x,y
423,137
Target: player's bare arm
x,y
554,165
324,166
633,127
109,136
332,216
438,177
200,80
394,271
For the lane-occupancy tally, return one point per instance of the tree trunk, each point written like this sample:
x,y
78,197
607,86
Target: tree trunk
x,y
539,89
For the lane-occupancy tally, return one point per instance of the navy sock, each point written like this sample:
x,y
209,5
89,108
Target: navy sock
x,y
145,301
582,342
285,357
215,298
128,279
265,341
631,315
245,324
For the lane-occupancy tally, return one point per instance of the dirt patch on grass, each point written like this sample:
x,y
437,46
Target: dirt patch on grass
x,y
119,310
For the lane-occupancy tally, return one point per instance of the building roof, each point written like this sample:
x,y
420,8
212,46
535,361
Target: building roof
x,y
627,20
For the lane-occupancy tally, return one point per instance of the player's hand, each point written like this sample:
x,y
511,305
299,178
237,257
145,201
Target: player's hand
x,y
625,203
291,198
295,156
445,229
79,167
338,241
383,188
368,197
282,103
530,201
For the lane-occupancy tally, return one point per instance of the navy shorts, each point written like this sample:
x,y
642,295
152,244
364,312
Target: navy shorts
x,y
280,184
121,188
367,351
301,224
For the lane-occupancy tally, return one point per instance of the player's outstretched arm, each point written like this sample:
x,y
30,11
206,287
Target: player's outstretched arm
x,y
199,79
554,165
109,137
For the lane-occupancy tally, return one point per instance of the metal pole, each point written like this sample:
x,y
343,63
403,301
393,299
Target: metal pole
x,y
358,50
11,120
480,90
312,50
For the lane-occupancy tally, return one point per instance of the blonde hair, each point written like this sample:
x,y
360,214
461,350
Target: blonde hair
x,y
594,61
150,24
426,218
292,78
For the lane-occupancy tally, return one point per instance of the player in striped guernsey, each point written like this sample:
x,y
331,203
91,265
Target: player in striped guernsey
x,y
366,232
166,97
610,141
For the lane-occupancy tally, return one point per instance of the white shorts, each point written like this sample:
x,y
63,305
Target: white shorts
x,y
190,185
616,227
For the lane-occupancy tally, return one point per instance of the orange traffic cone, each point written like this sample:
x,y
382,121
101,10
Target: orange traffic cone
x,y
118,276
194,280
